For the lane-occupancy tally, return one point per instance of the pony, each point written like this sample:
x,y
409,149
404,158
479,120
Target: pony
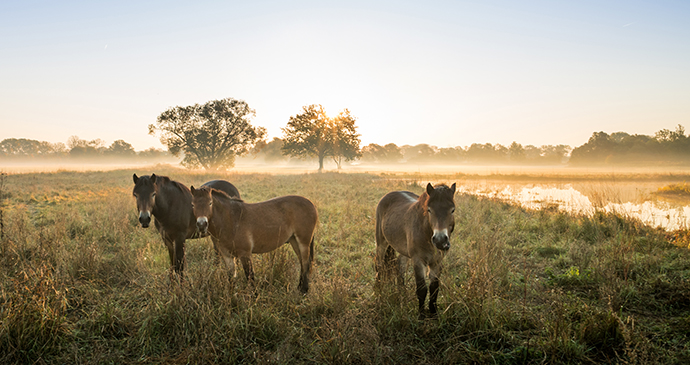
x,y
242,229
170,203
418,228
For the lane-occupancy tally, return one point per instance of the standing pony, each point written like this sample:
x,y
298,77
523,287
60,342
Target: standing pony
x,y
419,228
170,203
242,228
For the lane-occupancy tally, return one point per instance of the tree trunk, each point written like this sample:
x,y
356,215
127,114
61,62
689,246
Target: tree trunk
x,y
320,163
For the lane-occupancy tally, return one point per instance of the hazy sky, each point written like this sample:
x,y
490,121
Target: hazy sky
x,y
446,73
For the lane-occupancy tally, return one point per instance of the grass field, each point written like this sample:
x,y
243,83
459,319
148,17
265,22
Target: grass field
x,y
82,282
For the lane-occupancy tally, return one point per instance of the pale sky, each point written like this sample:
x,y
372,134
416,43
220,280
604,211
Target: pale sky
x,y
446,73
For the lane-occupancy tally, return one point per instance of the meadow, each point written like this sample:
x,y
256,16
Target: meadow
x,y
82,282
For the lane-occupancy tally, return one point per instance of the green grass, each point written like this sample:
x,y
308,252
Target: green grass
x,y
81,282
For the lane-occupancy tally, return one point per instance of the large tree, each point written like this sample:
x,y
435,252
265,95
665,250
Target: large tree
x,y
210,135
344,138
312,133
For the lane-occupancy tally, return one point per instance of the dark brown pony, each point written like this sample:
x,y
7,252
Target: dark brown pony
x,y
170,203
419,228
242,228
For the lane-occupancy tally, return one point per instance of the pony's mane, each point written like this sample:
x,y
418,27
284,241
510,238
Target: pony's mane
x,y
442,187
224,196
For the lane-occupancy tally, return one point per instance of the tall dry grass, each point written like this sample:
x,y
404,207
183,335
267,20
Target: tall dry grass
x,y
81,282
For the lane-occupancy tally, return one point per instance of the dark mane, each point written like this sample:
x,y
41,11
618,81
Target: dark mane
x,y
224,196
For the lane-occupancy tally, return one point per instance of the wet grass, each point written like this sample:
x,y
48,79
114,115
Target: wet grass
x,y
81,282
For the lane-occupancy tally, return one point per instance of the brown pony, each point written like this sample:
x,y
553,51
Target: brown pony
x,y
243,228
418,227
170,203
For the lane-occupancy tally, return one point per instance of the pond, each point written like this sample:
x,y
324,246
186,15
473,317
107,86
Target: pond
x,y
632,199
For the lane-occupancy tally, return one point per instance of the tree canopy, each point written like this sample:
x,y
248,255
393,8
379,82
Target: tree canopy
x,y
665,146
210,135
313,133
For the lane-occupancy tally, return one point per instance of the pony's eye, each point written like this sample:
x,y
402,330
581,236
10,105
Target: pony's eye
x,y
210,204
452,211
428,210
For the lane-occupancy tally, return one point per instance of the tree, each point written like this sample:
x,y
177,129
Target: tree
x,y
344,138
21,147
81,148
210,135
312,133
389,153
516,152
271,151
419,153
120,148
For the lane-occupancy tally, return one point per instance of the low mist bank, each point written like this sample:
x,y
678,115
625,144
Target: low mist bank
x,y
464,171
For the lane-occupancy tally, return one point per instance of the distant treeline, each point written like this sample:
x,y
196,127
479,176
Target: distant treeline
x,y
665,147
76,148
477,153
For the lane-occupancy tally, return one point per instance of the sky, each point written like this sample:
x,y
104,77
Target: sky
x,y
445,73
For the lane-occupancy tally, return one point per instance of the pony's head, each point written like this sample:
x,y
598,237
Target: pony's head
x,y
440,208
202,205
145,193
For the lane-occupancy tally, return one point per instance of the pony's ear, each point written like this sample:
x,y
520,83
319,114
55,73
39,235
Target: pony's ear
x,y
153,178
135,178
429,188
191,188
452,189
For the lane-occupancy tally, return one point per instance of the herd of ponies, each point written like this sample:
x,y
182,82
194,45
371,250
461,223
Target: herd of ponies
x,y
408,226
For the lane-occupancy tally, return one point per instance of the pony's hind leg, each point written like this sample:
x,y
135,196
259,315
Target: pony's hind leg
x,y
402,268
385,261
304,252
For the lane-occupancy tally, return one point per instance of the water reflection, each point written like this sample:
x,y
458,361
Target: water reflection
x,y
633,201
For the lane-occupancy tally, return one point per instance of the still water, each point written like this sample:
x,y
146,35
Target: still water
x,y
629,199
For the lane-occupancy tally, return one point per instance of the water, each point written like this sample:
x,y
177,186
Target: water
x,y
567,198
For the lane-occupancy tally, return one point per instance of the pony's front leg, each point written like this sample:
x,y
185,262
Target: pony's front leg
x,y
434,272
230,263
175,246
420,279
178,256
248,269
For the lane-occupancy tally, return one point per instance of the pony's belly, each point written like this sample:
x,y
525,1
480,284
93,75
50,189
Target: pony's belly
x,y
269,239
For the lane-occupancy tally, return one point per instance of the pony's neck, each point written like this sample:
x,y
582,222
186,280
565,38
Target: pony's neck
x,y
160,204
422,205
226,208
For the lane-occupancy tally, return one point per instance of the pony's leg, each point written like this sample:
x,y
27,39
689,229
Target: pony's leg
x,y
179,254
420,279
171,243
402,268
246,261
303,252
230,263
216,250
434,272
384,254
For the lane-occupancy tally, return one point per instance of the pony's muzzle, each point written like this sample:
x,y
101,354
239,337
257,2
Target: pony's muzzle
x,y
441,240
202,224
145,219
